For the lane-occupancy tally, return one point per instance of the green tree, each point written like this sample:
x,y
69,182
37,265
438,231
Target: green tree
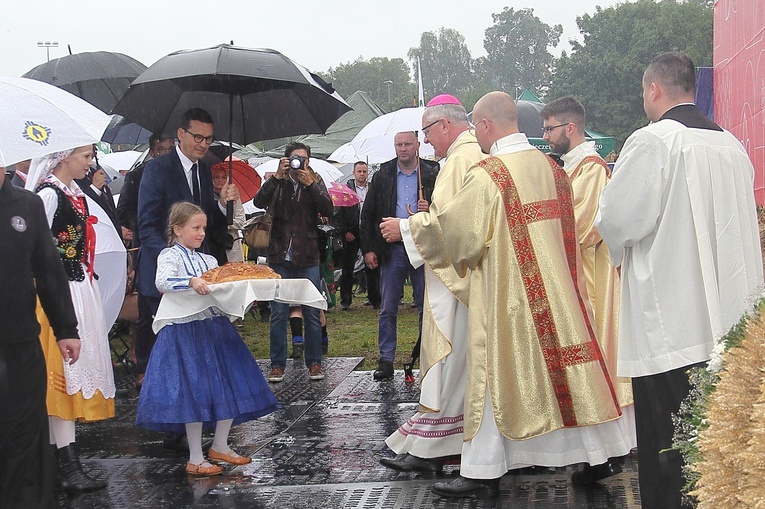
x,y
445,62
517,49
605,70
372,76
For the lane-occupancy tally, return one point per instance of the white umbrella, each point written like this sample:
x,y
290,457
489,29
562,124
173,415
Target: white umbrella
x,y
375,150
37,119
110,263
405,119
328,172
120,161
374,143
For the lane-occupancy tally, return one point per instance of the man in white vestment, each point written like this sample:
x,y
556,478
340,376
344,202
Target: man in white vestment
x,y
564,121
537,390
435,430
679,218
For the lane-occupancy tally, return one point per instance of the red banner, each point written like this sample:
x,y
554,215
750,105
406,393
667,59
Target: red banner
x,y
739,77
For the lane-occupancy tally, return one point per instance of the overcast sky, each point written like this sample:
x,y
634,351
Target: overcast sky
x,y
315,33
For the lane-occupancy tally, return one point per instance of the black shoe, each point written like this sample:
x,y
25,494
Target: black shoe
x,y
345,307
73,479
297,351
592,474
409,463
384,370
463,487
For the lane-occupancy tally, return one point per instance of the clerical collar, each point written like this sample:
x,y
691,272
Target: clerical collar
x,y
574,156
510,144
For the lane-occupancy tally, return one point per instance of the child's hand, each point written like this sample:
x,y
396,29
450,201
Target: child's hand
x,y
199,285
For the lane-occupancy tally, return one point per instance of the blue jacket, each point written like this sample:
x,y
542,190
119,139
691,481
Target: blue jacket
x,y
164,184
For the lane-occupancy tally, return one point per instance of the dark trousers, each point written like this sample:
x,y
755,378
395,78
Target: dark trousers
x,y
373,285
348,264
392,276
26,462
660,474
144,335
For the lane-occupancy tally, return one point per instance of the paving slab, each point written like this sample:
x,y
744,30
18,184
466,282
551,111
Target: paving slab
x,y
321,449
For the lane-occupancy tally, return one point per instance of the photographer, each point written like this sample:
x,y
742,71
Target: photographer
x,y
293,252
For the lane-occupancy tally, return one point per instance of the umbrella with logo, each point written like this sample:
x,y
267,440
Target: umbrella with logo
x,y
251,94
37,119
99,77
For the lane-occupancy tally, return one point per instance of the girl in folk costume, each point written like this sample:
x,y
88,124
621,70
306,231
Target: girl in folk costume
x,y
200,372
83,391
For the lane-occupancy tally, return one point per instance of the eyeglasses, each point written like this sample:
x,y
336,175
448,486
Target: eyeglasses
x,y
198,138
425,129
551,127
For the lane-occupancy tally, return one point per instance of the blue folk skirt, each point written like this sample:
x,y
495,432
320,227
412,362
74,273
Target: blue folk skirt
x,y
201,371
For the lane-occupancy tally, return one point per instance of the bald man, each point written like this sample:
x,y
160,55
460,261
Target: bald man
x,y
537,390
679,217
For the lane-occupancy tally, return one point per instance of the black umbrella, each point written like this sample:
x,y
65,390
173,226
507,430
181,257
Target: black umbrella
x,y
271,95
257,93
122,130
529,121
100,77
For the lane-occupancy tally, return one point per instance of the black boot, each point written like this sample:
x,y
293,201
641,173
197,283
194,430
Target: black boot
x,y
73,479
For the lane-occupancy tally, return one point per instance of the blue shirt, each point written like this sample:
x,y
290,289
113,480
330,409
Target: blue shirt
x,y
407,192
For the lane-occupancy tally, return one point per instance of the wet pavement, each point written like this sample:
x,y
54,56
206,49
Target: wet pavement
x,y
321,449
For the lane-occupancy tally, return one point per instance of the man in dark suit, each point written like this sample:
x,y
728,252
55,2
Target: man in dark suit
x,y
127,208
20,173
348,221
180,175
402,186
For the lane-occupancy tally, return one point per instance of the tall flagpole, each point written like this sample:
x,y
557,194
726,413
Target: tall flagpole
x,y
421,96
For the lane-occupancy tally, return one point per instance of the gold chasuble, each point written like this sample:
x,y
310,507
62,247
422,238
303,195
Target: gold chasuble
x,y
588,179
462,155
531,341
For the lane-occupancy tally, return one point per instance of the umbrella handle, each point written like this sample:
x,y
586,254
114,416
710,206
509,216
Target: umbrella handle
x,y
229,212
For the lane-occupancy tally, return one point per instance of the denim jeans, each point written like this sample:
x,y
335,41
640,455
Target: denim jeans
x,y
392,276
280,314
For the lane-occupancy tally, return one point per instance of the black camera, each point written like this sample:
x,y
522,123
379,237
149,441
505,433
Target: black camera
x,y
296,162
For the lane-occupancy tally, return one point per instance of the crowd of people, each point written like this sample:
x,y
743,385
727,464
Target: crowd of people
x,y
560,305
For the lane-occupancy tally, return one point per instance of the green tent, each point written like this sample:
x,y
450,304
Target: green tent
x,y
604,144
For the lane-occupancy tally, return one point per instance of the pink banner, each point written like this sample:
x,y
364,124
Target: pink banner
x,y
739,77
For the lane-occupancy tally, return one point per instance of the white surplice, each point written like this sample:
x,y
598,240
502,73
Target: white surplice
x,y
679,217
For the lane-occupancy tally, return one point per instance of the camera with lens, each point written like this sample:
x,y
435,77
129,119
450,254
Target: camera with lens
x,y
296,162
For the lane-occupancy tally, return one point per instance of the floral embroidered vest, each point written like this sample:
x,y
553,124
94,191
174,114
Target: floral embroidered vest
x,y
70,230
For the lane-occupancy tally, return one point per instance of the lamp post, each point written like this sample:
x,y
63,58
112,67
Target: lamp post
x,y
47,45
388,83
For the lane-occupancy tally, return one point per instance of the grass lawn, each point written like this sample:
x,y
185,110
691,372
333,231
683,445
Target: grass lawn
x,y
351,333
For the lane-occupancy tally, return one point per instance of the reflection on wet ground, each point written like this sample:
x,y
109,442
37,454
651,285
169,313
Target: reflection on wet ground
x,y
320,450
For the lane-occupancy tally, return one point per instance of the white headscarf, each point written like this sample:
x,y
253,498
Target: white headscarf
x,y
43,166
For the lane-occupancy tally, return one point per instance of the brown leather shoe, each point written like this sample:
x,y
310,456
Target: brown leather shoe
x,y
315,372
204,468
276,375
233,458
